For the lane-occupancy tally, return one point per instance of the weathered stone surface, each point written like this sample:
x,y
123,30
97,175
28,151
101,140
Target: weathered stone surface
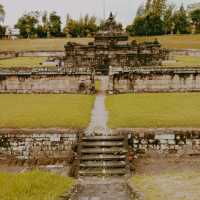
x,y
164,141
155,79
41,146
43,80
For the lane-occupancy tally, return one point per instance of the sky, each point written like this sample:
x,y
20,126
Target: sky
x,y
125,10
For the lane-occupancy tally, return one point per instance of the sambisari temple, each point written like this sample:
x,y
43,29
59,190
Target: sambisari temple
x,y
111,47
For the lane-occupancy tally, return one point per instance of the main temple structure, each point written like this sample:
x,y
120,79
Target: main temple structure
x,y
111,47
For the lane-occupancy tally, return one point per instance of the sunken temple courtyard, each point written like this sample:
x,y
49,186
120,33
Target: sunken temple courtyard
x,y
118,115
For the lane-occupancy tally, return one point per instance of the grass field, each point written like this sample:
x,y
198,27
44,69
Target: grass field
x,y
34,185
170,186
184,61
154,110
169,41
39,44
22,62
45,111
175,41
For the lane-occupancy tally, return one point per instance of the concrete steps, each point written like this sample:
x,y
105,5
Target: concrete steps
x,y
103,156
103,172
104,164
103,144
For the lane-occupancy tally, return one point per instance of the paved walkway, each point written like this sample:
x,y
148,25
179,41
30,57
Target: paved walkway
x,y
98,124
101,188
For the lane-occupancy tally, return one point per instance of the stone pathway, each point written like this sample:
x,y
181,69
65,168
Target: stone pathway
x,y
101,188
98,124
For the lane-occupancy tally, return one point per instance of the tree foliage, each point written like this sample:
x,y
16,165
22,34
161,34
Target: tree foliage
x,y
195,17
2,13
161,18
54,24
84,27
27,24
181,24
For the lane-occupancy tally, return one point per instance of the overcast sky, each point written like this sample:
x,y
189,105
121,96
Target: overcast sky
x,y
124,9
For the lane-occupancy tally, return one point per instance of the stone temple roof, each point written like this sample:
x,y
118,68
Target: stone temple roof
x,y
111,29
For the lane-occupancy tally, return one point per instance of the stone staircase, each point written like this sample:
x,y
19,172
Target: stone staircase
x,y
103,155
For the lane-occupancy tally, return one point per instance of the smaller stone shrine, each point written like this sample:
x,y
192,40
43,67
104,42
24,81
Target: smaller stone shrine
x,y
111,47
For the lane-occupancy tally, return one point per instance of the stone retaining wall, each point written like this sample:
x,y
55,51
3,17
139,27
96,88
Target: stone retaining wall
x,y
175,141
40,146
13,54
42,80
185,52
46,84
158,79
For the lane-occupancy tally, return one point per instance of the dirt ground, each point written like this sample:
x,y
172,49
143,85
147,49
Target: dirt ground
x,y
167,178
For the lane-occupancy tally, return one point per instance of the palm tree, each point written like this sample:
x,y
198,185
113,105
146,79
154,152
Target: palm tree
x,y
2,13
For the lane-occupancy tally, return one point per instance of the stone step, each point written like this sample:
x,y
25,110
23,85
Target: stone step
x,y
102,144
104,164
113,150
102,172
103,157
103,138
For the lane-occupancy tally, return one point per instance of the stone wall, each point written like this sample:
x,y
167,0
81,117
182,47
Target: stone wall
x,y
40,146
176,141
158,79
45,81
45,84
185,52
13,54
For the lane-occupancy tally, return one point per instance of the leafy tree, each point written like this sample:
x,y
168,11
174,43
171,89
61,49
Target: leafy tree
x,y
2,31
181,23
2,13
148,6
84,27
148,25
140,11
54,25
27,24
158,7
168,19
45,25
195,17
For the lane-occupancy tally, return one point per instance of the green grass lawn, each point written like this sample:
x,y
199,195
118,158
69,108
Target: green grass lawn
x,y
168,41
33,185
45,110
184,61
175,41
154,110
22,62
39,44
170,186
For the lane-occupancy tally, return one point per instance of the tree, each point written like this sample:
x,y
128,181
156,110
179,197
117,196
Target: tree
x,y
181,25
168,19
148,6
195,17
148,25
84,27
54,25
27,24
158,7
2,13
45,24
140,11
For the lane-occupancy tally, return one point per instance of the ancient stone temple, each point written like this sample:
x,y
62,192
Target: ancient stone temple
x,y
111,47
